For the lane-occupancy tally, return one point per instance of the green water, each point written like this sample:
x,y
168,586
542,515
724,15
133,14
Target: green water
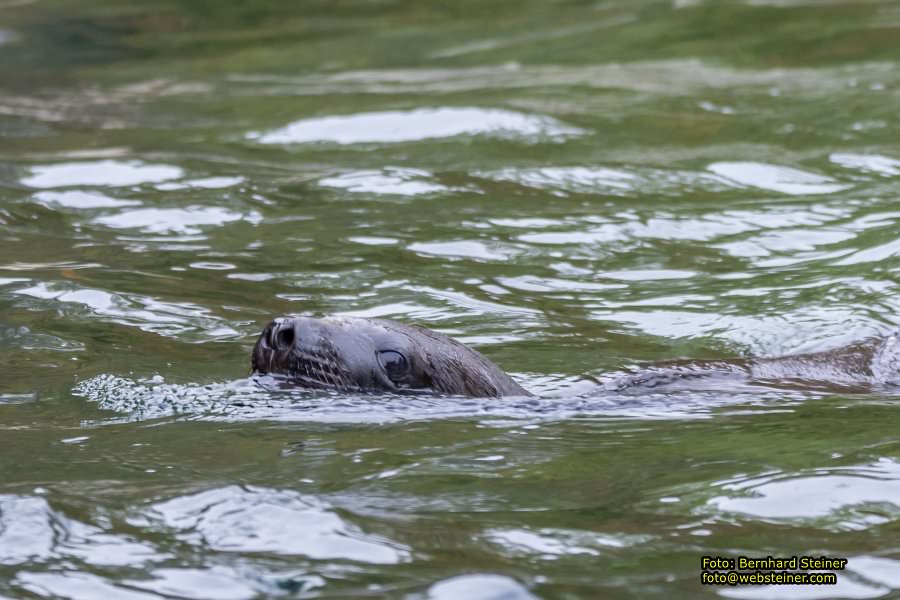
x,y
574,188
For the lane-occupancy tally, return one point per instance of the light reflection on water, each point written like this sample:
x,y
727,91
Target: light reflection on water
x,y
860,497
103,173
261,520
419,124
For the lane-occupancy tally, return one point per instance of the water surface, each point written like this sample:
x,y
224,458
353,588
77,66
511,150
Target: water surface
x,y
574,188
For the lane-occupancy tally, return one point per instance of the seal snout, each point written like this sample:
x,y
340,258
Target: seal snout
x,y
274,346
282,334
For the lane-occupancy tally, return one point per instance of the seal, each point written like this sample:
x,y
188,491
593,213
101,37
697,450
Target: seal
x,y
861,367
363,355
355,354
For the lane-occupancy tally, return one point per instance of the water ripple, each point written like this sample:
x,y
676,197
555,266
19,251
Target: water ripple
x,y
390,180
839,498
31,531
184,221
874,163
145,312
669,77
79,199
419,124
112,173
551,544
776,178
479,587
472,249
618,181
215,583
76,586
22,337
255,519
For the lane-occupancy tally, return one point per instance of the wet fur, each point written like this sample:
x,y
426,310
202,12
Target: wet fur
x,y
446,366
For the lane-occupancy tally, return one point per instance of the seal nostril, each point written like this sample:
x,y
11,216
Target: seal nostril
x,y
284,338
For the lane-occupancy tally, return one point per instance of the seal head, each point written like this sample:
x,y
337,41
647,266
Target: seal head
x,y
356,354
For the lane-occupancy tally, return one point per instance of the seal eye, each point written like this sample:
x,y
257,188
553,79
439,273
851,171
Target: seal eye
x,y
394,363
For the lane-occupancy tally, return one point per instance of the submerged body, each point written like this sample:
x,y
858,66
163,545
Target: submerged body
x,y
860,367
357,354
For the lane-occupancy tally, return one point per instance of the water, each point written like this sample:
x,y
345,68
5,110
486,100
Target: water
x,y
573,188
